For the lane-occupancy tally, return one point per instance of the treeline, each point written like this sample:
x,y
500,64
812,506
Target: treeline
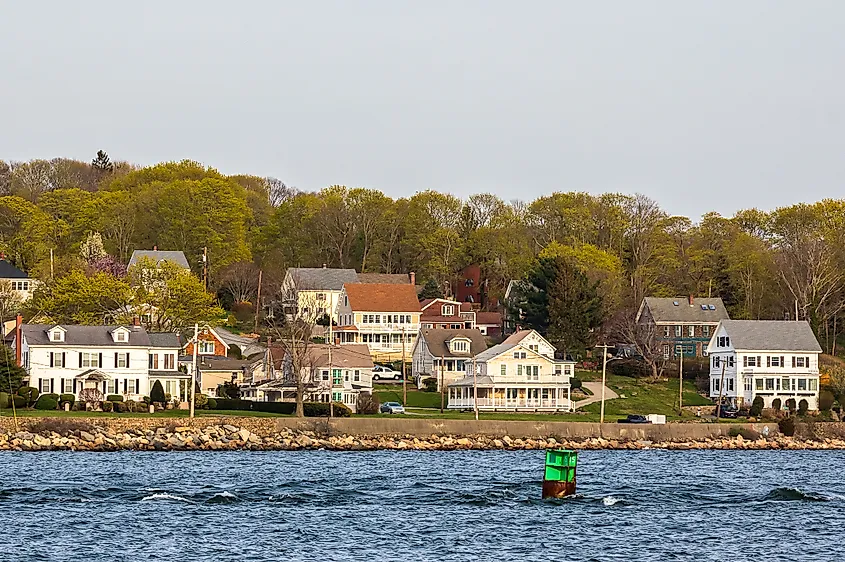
x,y
762,264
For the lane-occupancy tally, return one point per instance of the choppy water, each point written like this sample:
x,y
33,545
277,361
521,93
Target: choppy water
x,y
460,505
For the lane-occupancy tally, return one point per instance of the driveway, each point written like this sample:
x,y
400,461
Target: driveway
x,y
595,388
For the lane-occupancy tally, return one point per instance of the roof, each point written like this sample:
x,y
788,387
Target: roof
x,y
352,356
488,318
511,342
165,339
99,336
665,310
428,302
9,271
385,278
382,297
771,335
485,380
437,341
248,346
217,363
321,278
442,319
159,256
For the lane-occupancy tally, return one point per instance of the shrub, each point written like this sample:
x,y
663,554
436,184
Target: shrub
x,y
30,394
108,406
787,426
776,404
69,398
790,405
200,401
62,426
321,410
629,368
826,400
119,407
134,406
342,410
368,403
115,398
430,384
274,407
230,404
756,407
46,402
19,401
4,400
575,383
803,406
212,403
157,393
746,432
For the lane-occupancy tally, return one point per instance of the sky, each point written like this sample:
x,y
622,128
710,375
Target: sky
x,y
717,105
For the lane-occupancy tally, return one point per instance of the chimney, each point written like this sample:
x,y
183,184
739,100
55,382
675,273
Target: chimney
x,y
136,321
413,279
324,266
155,248
691,300
18,340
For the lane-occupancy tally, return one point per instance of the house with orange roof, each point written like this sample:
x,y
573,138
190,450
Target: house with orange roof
x,y
446,314
384,316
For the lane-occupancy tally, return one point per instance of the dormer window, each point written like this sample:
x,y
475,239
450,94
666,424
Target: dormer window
x,y
120,335
459,346
57,335
448,310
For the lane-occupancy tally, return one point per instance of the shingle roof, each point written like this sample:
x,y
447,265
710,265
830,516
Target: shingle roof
x,y
321,278
165,339
9,271
353,356
664,309
159,256
382,297
488,318
437,341
511,342
392,278
100,336
771,335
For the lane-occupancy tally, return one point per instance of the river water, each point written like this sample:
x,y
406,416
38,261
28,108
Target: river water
x,y
405,505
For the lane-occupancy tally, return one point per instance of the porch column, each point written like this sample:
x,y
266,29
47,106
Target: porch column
x,y
569,396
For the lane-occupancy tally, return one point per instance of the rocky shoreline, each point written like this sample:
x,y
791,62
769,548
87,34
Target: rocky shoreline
x,y
230,437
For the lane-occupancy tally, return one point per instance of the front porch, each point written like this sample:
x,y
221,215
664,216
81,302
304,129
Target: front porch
x,y
511,398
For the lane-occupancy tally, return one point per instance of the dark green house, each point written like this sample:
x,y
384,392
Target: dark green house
x,y
683,324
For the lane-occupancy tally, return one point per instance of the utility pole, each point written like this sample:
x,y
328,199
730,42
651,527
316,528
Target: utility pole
x,y
205,267
51,264
442,379
681,383
721,391
258,302
475,388
331,372
603,378
194,369
404,382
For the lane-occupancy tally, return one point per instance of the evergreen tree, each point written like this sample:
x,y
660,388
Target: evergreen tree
x,y
11,376
431,290
102,162
157,393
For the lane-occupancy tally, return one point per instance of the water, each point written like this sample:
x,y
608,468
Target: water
x,y
391,505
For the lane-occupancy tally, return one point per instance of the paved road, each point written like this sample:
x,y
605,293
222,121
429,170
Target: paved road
x,y
595,388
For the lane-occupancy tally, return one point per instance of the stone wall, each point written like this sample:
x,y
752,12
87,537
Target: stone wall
x,y
421,427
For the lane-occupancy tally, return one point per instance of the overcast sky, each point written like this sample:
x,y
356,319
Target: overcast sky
x,y
700,105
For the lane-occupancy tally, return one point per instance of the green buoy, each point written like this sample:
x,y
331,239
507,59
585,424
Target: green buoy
x,y
559,478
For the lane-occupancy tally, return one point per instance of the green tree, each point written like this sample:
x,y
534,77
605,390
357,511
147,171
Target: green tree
x,y
11,376
77,299
101,162
431,290
157,393
24,232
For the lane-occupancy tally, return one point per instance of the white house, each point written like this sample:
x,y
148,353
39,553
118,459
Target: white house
x,y
445,354
767,358
384,316
18,282
519,374
66,359
311,292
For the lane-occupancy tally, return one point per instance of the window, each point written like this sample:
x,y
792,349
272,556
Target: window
x,y
730,385
337,378
68,386
169,361
519,370
678,331
558,370
730,360
776,361
110,387
90,359
346,376
716,385
154,361
325,375
801,362
121,336
666,331
705,331
357,376
448,310
813,384
122,360
666,352
337,396
532,372
723,341
321,296
747,385
206,347
751,361
56,335
758,384
716,361
691,331
460,346
130,386
58,360
784,383
770,384
45,386
378,319
802,384
503,370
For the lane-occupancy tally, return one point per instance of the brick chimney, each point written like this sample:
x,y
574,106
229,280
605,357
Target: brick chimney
x,y
691,300
136,321
413,278
18,340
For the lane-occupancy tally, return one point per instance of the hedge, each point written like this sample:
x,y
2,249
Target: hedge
x,y
30,394
115,398
20,401
274,407
212,403
231,404
69,398
108,406
321,410
4,400
46,402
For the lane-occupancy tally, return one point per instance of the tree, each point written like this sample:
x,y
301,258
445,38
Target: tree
x,y
561,303
24,232
102,163
11,375
431,290
92,249
11,301
78,299
278,192
240,280
157,395
32,179
644,336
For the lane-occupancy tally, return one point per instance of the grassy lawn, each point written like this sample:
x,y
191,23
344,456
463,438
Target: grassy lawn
x,y
163,414
416,398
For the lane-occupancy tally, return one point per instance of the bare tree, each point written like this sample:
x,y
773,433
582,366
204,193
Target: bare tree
x,y
5,178
240,280
278,192
11,301
31,179
644,336
92,397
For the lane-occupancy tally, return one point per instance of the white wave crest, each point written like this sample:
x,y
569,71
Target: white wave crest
x,y
165,496
610,500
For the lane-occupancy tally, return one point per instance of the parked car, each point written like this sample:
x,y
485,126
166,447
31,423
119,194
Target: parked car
x,y
380,372
392,408
727,411
634,418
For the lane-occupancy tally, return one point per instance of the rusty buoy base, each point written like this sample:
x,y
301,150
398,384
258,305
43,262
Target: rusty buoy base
x,y
556,489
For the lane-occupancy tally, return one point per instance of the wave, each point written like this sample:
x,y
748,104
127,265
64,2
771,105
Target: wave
x,y
794,494
223,497
610,500
166,496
